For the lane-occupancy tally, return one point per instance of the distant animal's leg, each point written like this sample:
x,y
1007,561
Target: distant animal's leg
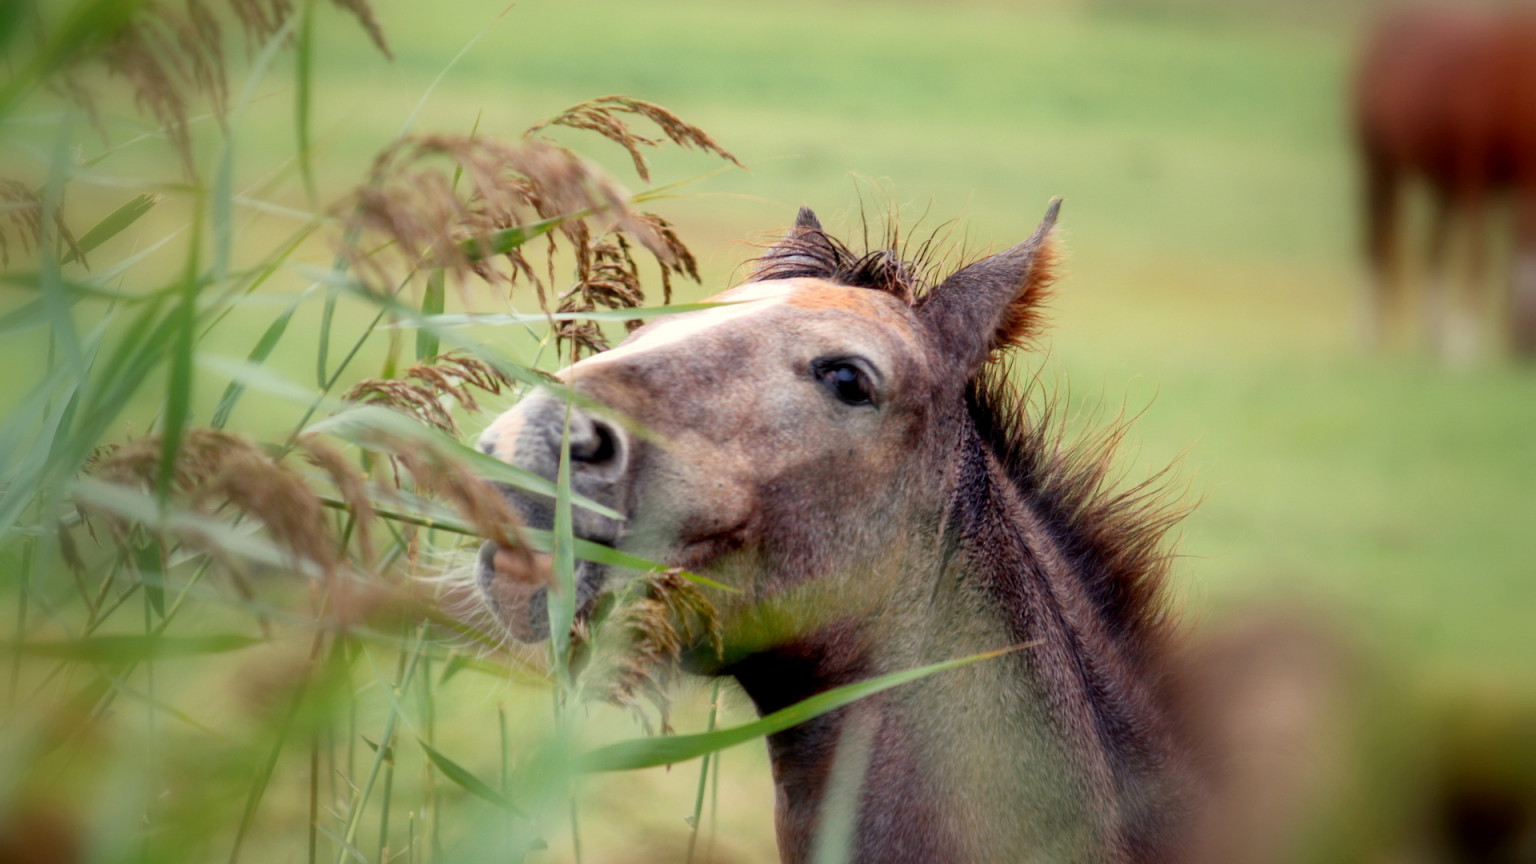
x,y
1465,300
1381,296
1522,288
1434,308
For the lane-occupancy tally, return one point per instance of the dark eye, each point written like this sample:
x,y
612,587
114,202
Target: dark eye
x,y
846,381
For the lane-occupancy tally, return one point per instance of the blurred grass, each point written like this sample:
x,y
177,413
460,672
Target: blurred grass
x,y
1209,220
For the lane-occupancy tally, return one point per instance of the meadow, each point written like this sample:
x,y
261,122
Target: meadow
x,y
1210,290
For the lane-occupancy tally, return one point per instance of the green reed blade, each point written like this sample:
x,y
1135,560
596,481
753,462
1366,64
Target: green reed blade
x,y
465,778
132,648
259,354
562,598
368,425
431,306
698,797
641,313
504,241
667,750
87,25
178,399
303,65
114,224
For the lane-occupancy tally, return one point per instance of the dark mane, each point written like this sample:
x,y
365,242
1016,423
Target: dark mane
x,y
896,265
1114,537
817,254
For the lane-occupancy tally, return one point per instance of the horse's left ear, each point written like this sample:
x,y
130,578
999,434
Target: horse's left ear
x,y
995,303
805,251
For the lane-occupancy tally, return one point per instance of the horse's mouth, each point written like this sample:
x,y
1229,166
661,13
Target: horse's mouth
x,y
516,584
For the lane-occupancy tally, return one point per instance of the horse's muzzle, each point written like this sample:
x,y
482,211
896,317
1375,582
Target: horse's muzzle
x,y
515,584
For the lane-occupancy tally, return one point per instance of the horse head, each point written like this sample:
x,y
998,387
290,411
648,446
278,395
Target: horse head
x,y
800,427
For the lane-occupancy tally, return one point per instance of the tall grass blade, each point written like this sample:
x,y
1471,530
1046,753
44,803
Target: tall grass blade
x,y
303,64
12,17
431,307
223,189
49,279
562,599
178,399
507,239
367,425
839,815
258,788
258,356
465,778
698,797
133,648
667,750
114,224
360,797
149,561
86,26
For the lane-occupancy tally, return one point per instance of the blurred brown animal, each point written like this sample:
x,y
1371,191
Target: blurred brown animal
x,y
1447,96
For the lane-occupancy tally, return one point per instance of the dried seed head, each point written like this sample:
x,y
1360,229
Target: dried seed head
x,y
412,215
645,637
21,218
420,389
608,279
168,54
215,469
352,486
370,22
602,116
477,500
678,260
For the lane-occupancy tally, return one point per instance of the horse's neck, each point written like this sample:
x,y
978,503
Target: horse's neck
x,y
1046,753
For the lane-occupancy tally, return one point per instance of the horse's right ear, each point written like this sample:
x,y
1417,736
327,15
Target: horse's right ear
x,y
805,251
994,303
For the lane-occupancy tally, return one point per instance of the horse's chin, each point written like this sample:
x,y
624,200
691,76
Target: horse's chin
x,y
515,586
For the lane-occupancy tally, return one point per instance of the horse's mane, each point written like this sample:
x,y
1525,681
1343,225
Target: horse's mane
x,y
1114,537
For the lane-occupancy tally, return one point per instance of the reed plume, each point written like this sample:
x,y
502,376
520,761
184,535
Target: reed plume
x,y
644,638
420,390
602,115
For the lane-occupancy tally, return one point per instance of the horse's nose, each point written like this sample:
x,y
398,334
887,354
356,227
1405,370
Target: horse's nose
x,y
597,445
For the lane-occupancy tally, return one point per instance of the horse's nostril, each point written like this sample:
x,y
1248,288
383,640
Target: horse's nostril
x,y
597,448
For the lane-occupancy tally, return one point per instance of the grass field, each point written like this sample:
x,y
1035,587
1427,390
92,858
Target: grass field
x,y
1209,220
1210,288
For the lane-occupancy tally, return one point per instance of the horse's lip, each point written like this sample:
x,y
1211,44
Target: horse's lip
x,y
516,582
528,569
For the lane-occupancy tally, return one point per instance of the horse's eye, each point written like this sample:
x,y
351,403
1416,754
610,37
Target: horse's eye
x,y
846,381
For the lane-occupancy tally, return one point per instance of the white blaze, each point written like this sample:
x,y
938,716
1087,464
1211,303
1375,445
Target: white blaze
x,y
739,302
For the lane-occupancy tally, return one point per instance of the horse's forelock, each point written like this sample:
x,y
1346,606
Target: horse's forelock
x,y
811,252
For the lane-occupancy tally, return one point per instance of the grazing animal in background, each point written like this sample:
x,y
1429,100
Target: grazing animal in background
x,y
1447,96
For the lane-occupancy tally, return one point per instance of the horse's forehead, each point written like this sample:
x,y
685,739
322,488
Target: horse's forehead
x,y
753,299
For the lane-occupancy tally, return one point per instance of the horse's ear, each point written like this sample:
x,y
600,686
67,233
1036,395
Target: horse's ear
x,y
805,251
993,304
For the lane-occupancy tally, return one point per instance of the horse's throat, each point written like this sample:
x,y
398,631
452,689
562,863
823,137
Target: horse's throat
x,y
859,763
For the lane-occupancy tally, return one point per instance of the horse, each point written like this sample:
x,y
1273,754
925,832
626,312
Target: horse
x,y
1447,96
837,438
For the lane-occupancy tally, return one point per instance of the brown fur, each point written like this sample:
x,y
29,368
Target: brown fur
x,y
1447,96
928,513
1024,320
1116,535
